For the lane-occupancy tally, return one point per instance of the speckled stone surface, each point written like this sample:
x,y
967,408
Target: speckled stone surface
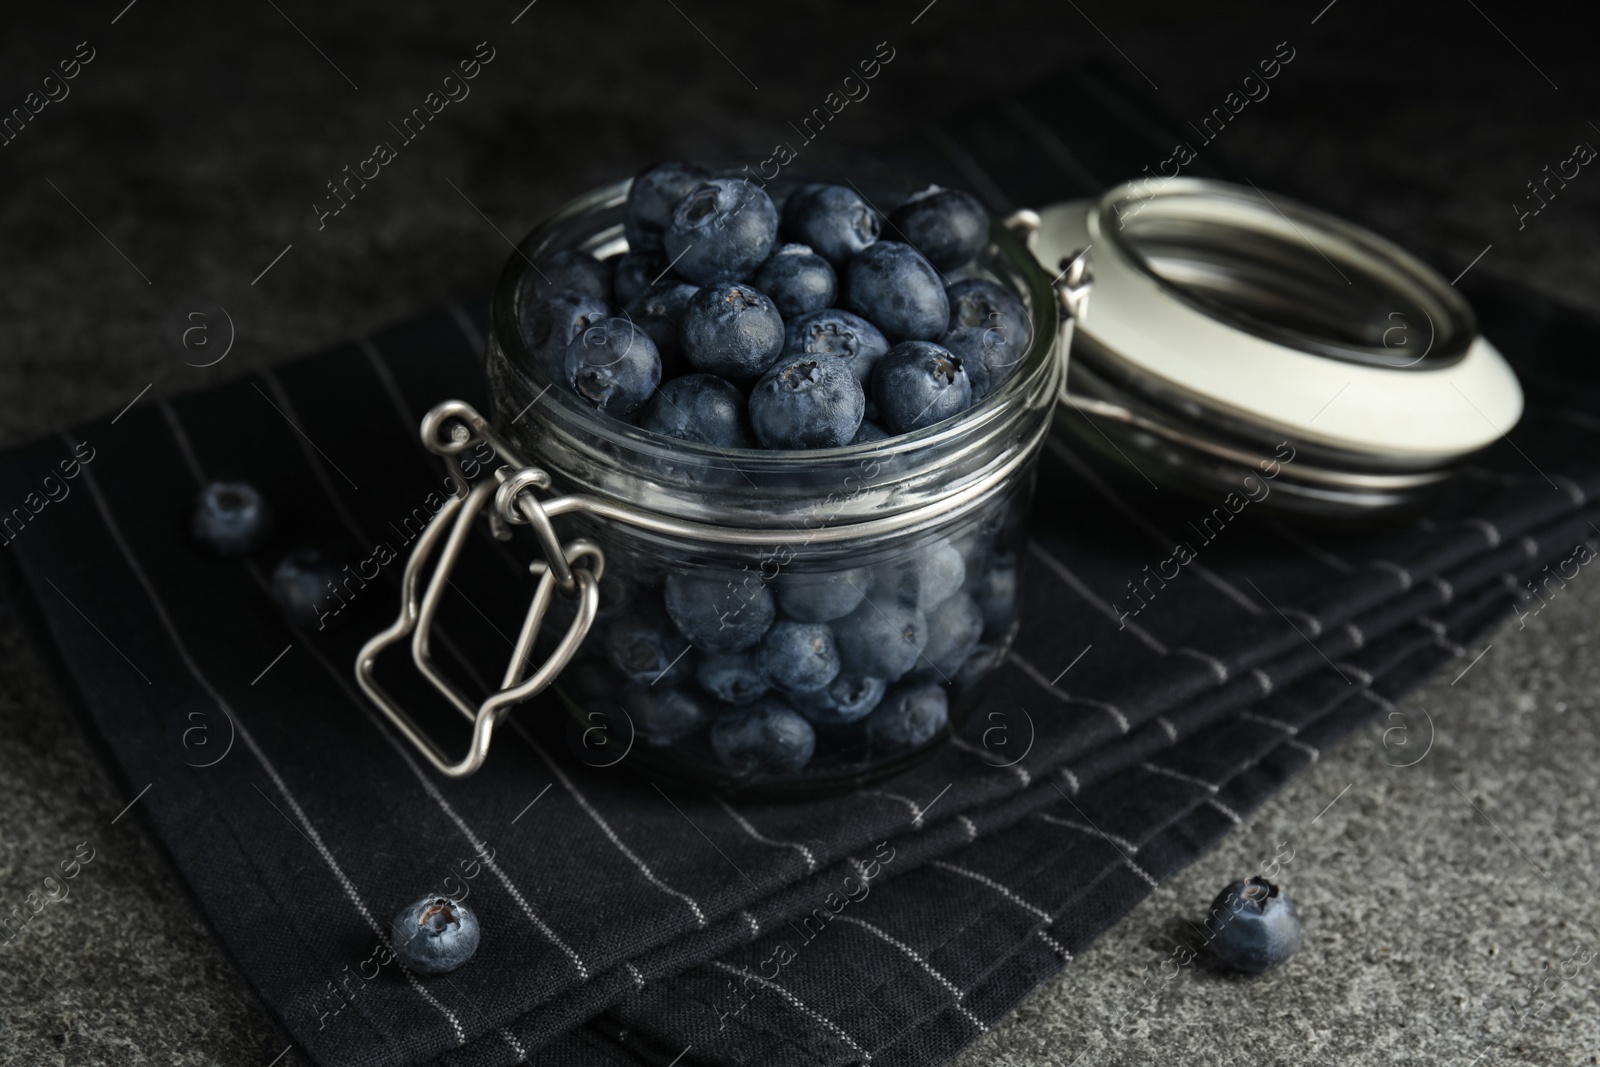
x,y
198,138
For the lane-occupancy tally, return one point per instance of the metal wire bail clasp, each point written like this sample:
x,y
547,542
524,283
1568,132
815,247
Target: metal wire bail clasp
x,y
572,569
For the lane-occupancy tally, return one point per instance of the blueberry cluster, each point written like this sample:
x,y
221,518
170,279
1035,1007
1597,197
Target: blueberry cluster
x,y
767,676
735,325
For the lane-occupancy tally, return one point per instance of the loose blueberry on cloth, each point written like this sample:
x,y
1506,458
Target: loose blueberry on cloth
x,y
231,518
434,935
626,925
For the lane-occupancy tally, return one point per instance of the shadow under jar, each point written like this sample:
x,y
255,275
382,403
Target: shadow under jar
x,y
902,553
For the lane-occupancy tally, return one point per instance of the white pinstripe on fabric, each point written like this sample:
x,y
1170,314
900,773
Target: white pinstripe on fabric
x,y
605,827
1003,890
1168,544
916,812
1055,946
798,1004
1044,683
1122,843
1288,728
744,824
1316,552
917,958
1016,769
1229,812
1076,585
1399,572
1156,768
1212,663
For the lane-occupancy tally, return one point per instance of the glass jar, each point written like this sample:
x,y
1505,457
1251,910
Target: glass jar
x,y
780,623
903,553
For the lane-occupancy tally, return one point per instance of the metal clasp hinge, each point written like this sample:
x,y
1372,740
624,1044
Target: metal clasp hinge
x,y
572,569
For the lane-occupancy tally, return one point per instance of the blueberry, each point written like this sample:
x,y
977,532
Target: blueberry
x,y
948,226
552,324
996,592
797,279
652,198
981,302
847,698
303,584
1254,926
663,714
892,285
732,677
614,366
434,935
917,384
869,431
720,612
721,231
926,578
636,272
832,219
699,407
571,270
953,631
807,402
822,597
799,656
881,640
835,332
731,330
658,311
230,519
909,716
984,658
769,736
647,648
989,331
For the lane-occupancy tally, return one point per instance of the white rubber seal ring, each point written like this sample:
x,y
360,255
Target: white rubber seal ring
x,y
1414,415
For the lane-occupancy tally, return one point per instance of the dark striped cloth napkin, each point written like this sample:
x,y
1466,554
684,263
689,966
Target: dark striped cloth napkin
x,y
630,924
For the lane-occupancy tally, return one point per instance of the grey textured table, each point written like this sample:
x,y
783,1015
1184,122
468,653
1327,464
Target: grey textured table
x,y
188,156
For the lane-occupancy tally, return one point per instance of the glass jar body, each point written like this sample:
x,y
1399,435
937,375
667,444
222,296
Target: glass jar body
x,y
782,623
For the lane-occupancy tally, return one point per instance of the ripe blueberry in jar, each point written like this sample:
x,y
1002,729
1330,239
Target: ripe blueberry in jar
x,y
654,195
809,402
721,231
552,324
836,332
946,225
731,330
571,270
832,219
699,407
919,383
894,287
798,280
614,366
909,716
720,612
768,736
